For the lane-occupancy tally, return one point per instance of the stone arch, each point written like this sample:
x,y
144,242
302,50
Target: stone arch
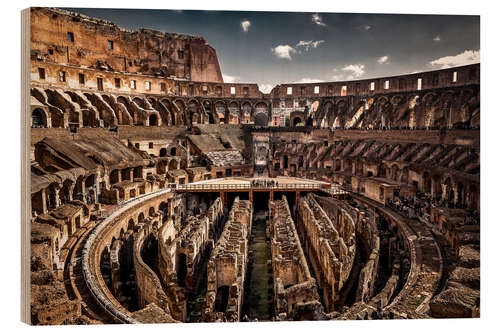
x,y
66,192
338,164
122,234
170,109
427,182
106,113
194,109
405,175
473,197
234,112
460,193
131,224
448,112
153,119
429,109
397,99
221,111
260,107
395,172
246,107
140,102
114,176
296,121
297,118
151,211
436,186
181,111
173,164
39,118
165,115
449,195
78,188
261,119
383,171
330,113
340,110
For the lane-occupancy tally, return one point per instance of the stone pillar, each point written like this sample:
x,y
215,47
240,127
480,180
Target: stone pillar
x,y
223,197
56,196
80,118
443,191
44,201
66,118
455,195
70,192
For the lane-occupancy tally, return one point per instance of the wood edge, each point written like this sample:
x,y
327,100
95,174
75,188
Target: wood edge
x,y
25,171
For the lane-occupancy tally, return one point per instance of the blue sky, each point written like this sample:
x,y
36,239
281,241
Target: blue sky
x,y
269,48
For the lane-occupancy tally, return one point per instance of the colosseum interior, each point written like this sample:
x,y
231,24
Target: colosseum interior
x,y
161,194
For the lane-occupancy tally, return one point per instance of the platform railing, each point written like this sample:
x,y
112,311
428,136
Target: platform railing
x,y
278,186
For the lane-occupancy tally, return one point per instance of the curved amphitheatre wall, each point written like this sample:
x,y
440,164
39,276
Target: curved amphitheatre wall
x,y
112,228
425,264
149,287
396,295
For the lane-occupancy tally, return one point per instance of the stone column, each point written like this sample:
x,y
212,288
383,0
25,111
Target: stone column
x,y
44,201
70,192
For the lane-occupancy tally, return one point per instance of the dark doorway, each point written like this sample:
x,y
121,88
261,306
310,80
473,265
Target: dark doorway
x,y
222,299
153,120
181,269
232,195
37,118
296,121
261,201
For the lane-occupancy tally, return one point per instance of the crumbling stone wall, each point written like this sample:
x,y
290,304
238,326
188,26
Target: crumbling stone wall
x,y
328,252
149,288
105,46
227,265
293,285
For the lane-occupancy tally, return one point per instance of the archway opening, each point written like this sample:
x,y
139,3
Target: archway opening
x,y
37,119
181,269
296,121
222,299
153,120
261,119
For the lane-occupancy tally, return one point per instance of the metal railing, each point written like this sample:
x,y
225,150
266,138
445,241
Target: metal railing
x,y
243,186
336,190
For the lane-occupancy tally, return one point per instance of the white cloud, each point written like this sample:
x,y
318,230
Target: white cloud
x,y
265,87
465,58
338,77
308,80
245,24
383,59
367,27
229,78
283,51
356,69
308,44
318,20
348,72
436,39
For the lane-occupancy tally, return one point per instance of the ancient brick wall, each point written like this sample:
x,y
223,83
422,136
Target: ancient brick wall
x,y
59,36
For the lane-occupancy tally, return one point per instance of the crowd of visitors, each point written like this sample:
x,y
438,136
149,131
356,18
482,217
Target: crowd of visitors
x,y
419,206
264,183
